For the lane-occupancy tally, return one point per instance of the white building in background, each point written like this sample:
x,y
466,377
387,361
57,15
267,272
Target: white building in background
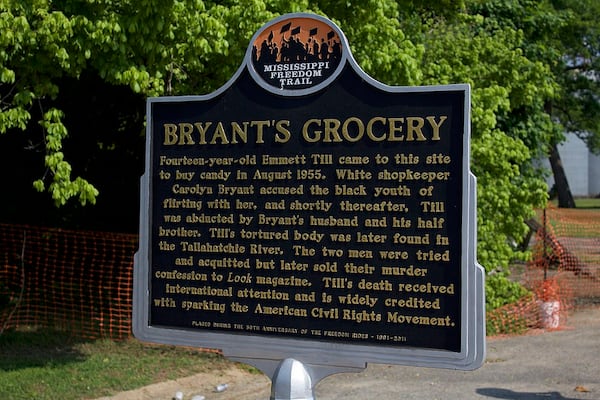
x,y
582,167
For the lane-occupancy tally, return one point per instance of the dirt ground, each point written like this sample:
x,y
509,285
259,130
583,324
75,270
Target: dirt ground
x,y
242,384
560,364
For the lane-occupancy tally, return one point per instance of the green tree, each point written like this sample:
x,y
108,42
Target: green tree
x,y
509,127
149,46
564,35
156,47
577,70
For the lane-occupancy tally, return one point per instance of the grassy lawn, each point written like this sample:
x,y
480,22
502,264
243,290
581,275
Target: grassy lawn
x,y
51,365
580,222
584,202
588,203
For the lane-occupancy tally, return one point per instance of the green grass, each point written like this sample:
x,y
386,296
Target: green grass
x,y
588,203
52,365
580,222
584,202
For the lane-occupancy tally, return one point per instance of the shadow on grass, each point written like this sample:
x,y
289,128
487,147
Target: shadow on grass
x,y
37,348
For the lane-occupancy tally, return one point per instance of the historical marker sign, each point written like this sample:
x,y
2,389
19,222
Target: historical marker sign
x,y
306,210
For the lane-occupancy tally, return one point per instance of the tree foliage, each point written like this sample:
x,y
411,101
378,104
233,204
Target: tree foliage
x,y
530,63
509,128
578,70
564,35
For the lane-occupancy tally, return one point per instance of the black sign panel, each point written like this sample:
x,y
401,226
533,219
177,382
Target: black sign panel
x,y
305,201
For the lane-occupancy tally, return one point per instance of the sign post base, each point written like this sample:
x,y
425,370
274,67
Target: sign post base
x,y
292,379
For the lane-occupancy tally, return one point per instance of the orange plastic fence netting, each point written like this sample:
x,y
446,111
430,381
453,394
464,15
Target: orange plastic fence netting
x,y
564,271
82,281
73,280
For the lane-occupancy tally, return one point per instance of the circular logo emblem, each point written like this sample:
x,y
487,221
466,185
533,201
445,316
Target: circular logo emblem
x,y
297,54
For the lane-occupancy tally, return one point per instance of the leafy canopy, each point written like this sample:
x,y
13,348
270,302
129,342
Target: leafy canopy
x,y
530,63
